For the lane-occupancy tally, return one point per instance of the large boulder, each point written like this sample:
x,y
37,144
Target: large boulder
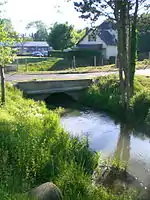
x,y
46,191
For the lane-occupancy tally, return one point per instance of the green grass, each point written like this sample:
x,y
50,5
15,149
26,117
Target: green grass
x,y
60,65
105,95
22,60
35,149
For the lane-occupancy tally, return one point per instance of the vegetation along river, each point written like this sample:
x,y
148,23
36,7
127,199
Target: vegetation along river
x,y
111,138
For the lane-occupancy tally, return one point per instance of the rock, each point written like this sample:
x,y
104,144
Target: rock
x,y
46,191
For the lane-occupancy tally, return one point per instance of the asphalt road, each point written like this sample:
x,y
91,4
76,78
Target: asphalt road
x,y
28,77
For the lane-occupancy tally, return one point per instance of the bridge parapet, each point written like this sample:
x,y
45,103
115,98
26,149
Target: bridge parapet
x,y
44,88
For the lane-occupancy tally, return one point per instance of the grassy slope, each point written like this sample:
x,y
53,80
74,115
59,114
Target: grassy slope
x,y
105,95
35,149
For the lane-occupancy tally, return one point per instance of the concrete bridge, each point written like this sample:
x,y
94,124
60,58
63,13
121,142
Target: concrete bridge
x,y
42,89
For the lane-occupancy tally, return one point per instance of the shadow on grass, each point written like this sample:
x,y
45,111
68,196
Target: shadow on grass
x,y
67,64
61,65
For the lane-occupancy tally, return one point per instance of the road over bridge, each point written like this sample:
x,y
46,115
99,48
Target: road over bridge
x,y
27,77
40,86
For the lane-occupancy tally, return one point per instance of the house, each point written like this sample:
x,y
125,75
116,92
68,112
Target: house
x,y
31,46
103,38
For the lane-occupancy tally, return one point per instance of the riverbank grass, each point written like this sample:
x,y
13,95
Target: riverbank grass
x,y
104,94
35,149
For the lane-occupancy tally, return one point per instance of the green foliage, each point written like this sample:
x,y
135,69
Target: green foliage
x,y
140,104
7,25
6,52
105,95
45,65
22,60
41,33
57,54
84,57
84,54
76,185
60,37
34,148
144,32
77,35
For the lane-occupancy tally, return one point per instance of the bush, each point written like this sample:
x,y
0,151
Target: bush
x,y
57,54
84,55
140,104
104,94
40,66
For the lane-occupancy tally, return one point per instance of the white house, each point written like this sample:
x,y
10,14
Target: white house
x,y
103,38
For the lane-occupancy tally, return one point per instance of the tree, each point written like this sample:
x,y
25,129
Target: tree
x,y
143,28
60,36
41,33
124,13
6,56
7,25
77,35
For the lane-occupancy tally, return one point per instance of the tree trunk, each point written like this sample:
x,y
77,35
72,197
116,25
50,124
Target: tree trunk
x,y
123,51
133,48
2,85
119,63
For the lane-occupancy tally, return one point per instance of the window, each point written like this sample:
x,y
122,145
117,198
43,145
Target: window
x,y
92,38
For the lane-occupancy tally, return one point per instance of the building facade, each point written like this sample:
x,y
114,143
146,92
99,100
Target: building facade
x,y
103,38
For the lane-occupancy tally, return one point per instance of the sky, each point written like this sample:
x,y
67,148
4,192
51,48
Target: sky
x,y
21,12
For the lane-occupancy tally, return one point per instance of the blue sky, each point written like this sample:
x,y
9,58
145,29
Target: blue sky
x,y
22,12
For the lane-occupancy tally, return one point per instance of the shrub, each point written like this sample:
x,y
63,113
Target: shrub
x,y
104,94
140,104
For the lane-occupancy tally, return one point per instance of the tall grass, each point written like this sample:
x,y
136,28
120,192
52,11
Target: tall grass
x,y
35,149
104,94
33,146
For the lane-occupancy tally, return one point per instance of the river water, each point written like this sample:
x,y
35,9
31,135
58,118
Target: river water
x,y
112,139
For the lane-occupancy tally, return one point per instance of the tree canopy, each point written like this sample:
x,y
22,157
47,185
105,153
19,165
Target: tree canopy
x,y
77,35
63,36
7,24
144,33
41,33
60,36
6,55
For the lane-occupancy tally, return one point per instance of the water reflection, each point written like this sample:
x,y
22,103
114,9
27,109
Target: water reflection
x,y
122,152
113,140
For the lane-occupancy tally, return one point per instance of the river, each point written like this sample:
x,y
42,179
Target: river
x,y
105,135
112,139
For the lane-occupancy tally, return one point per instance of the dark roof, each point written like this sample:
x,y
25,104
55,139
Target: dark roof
x,y
103,33
108,38
33,44
107,25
